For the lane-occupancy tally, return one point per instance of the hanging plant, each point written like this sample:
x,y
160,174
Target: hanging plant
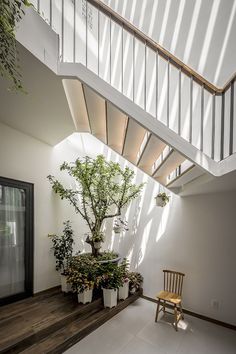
x,y
162,199
11,12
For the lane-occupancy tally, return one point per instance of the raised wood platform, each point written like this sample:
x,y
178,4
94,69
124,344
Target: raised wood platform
x,y
51,322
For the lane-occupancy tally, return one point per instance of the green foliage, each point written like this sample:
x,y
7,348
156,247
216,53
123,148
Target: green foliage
x,y
103,189
98,236
85,271
107,255
11,12
63,248
135,280
82,273
111,277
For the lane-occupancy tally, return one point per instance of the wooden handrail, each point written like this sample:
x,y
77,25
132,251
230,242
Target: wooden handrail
x,y
161,50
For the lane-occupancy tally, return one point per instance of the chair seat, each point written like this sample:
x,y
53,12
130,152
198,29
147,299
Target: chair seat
x,y
169,297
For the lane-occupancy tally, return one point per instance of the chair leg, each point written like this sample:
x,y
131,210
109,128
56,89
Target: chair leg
x,y
176,318
164,307
181,311
157,311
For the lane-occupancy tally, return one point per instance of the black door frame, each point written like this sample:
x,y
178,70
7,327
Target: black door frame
x,y
29,238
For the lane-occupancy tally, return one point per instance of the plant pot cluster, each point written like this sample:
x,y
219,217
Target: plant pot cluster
x,y
86,273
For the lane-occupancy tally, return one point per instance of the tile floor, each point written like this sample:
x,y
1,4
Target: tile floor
x,y
133,331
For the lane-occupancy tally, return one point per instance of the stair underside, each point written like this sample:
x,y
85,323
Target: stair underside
x,y
52,322
126,136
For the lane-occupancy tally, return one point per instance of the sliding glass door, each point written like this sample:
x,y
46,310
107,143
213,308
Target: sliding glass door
x,y
16,240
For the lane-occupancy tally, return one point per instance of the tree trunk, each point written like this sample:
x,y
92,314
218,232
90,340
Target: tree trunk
x,y
95,251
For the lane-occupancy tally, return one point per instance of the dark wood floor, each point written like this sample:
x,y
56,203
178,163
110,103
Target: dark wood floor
x,y
51,322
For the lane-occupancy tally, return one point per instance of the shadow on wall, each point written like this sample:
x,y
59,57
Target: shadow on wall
x,y
200,33
146,222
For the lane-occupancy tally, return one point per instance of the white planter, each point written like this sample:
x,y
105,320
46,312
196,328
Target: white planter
x,y
123,291
160,202
86,296
110,297
65,287
97,245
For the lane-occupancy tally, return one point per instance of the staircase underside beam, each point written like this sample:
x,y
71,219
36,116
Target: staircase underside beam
x,y
169,137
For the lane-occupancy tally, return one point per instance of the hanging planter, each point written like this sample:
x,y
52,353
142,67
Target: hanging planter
x,y
162,199
117,229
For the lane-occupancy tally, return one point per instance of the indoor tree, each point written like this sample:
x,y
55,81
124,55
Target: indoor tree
x,y
102,189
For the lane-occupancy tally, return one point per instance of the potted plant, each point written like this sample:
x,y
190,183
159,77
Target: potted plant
x,y
84,286
162,199
108,257
135,281
82,277
63,247
120,225
110,282
123,292
103,189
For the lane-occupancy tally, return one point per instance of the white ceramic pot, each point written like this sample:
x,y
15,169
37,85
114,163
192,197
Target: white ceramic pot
x,y
110,297
65,287
160,202
123,291
97,245
86,296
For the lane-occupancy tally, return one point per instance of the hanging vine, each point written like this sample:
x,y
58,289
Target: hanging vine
x,y
11,12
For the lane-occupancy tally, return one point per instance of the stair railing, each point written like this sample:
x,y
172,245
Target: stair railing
x,y
93,34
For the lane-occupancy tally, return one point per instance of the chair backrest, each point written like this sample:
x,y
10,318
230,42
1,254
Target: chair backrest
x,y
173,281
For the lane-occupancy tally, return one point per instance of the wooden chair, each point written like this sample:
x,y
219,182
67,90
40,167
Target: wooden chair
x,y
172,294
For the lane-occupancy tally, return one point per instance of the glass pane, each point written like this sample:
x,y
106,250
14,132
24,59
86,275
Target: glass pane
x,y
12,241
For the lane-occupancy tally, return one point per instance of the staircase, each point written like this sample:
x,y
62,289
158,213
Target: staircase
x,y
138,98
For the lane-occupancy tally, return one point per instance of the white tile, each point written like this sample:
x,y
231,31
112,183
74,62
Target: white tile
x,y
134,317
139,346
207,338
162,335
133,331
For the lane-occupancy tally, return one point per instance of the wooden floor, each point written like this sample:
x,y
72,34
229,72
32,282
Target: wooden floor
x,y
51,322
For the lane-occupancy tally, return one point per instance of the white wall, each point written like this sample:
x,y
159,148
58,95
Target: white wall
x,y
27,159
194,234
